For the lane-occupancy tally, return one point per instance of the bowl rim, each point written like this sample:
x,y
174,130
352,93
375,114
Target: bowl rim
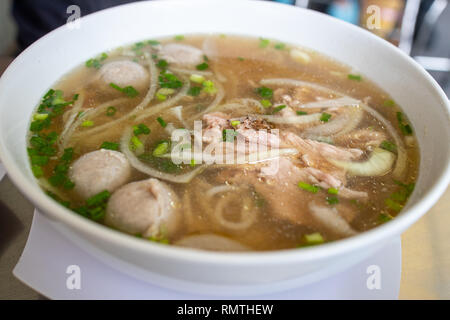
x,y
82,225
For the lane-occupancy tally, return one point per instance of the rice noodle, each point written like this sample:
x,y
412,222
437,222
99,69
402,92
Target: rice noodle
x,y
217,189
76,107
247,216
76,120
400,164
138,165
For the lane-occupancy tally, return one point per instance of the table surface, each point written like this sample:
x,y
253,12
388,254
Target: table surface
x,y
425,248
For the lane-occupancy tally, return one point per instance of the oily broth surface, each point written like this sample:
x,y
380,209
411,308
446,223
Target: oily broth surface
x,y
243,63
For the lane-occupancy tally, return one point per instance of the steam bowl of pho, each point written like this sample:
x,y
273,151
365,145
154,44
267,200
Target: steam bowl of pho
x,y
240,144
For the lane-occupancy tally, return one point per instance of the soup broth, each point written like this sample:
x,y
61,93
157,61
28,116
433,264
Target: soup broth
x,y
318,151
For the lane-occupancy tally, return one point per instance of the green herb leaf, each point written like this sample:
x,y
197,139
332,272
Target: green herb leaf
x,y
308,187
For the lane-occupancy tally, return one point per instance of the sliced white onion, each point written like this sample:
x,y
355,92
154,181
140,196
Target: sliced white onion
x,y
378,164
341,124
314,117
332,103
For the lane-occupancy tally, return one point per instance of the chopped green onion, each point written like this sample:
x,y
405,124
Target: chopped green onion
x,y
235,123
266,103
179,37
162,64
140,129
301,113
136,144
389,103
37,171
389,146
160,97
202,66
128,90
98,199
161,148
40,116
313,239
333,191
403,125
110,111
385,217
87,123
263,43
110,146
279,46
166,91
152,42
332,200
197,78
354,77
39,160
96,62
391,204
192,164
264,92
241,59
169,80
161,122
325,117
308,187
194,91
209,87
279,108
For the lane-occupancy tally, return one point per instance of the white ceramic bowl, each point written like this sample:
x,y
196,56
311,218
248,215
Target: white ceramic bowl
x,y
42,64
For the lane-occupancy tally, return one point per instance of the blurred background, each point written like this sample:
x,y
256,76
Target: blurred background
x,y
418,27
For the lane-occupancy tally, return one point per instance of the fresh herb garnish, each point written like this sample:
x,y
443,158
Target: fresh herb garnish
x,y
354,77
111,111
141,129
110,146
264,92
278,108
403,125
202,66
389,146
129,91
308,187
194,91
169,80
325,117
96,62
161,122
